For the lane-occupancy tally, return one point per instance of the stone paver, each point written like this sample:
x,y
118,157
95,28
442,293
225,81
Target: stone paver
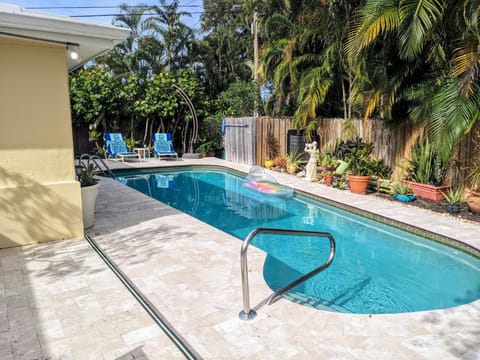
x,y
60,301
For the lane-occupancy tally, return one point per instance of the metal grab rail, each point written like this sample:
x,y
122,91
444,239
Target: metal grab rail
x,y
247,313
94,158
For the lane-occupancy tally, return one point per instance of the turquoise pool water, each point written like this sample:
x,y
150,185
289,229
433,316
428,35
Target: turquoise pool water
x,y
377,269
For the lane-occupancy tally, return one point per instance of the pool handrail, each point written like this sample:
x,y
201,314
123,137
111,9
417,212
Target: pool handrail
x,y
94,158
247,313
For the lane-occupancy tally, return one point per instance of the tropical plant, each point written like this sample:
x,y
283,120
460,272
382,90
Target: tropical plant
x,y
454,196
360,164
419,58
329,161
294,158
280,161
131,143
175,36
474,178
399,188
86,174
344,149
303,57
426,165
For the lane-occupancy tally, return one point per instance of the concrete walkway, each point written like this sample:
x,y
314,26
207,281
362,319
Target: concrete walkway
x,y
60,301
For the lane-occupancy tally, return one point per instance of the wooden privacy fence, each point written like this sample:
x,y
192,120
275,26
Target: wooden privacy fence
x,y
239,144
246,139
250,145
391,145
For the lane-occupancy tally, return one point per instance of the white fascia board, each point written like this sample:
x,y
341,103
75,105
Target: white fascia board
x,y
93,38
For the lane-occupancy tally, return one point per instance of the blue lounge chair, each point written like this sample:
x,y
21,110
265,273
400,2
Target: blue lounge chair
x,y
116,147
163,146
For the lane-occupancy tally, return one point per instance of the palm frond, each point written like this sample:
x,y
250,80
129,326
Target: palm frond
x,y
418,19
453,114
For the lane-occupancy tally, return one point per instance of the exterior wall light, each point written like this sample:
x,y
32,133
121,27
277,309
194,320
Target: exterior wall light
x,y
72,50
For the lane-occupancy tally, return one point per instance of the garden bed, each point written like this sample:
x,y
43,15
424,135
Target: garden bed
x,y
438,207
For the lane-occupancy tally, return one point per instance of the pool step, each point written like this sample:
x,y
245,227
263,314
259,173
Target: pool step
x,y
316,303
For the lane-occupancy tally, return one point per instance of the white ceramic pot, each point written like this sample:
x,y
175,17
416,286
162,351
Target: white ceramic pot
x,y
89,196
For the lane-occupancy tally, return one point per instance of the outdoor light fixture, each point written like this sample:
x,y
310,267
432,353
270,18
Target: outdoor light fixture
x,y
72,50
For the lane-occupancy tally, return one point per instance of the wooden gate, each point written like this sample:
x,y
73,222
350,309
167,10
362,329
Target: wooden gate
x,y
239,140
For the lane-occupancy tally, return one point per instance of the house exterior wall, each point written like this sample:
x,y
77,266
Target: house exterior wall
x,y
40,199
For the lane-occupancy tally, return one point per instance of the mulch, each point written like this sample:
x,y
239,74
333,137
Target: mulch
x,y
438,207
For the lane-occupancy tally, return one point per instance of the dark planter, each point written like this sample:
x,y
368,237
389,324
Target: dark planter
x,y
453,209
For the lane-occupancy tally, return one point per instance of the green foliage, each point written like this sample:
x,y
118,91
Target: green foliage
x,y
474,178
360,162
210,138
91,92
379,169
131,143
399,188
86,174
329,161
345,149
426,165
294,158
454,196
237,100
418,58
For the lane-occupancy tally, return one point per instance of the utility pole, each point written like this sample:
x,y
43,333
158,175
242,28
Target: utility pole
x,y
255,58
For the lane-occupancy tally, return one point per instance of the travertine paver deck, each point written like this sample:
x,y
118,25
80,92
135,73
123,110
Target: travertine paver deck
x,y
60,301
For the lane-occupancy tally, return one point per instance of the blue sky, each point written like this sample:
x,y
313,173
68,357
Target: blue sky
x,y
192,6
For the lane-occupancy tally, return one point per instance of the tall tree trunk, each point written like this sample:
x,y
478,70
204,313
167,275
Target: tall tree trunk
x,y
146,130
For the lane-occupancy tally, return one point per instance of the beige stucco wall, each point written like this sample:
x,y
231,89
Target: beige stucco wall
x,y
40,199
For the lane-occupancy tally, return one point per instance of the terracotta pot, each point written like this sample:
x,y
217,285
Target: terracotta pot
x,y
328,180
430,192
358,184
474,204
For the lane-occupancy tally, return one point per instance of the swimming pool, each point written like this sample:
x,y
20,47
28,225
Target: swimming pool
x,y
377,268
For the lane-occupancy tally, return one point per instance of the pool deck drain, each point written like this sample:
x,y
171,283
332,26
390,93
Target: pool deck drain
x,y
59,300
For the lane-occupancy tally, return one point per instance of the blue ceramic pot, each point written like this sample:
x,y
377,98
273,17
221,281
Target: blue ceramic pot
x,y
405,198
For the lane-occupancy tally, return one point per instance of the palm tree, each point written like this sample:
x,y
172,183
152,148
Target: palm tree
x,y
305,60
127,58
420,57
173,34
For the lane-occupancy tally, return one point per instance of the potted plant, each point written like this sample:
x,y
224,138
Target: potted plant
x,y
402,192
280,163
329,162
89,189
328,177
474,184
426,171
454,198
359,169
294,159
208,148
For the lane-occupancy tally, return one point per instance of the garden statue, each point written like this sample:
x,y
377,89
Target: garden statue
x,y
311,168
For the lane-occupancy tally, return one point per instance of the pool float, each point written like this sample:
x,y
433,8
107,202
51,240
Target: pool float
x,y
262,182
